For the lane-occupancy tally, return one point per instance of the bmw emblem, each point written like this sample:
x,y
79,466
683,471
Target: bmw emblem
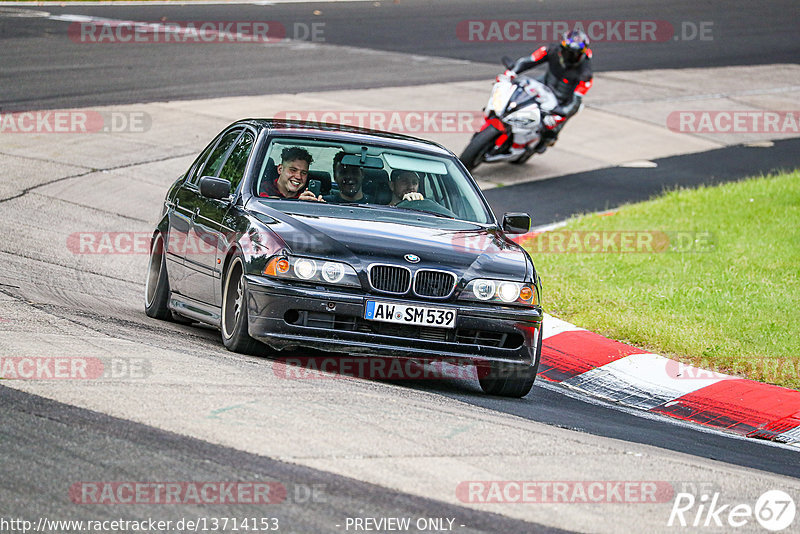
x,y
412,258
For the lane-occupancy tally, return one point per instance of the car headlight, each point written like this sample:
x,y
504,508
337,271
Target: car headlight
x,y
484,289
501,292
305,268
333,272
312,270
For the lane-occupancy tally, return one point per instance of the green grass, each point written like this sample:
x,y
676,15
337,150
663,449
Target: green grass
x,y
733,306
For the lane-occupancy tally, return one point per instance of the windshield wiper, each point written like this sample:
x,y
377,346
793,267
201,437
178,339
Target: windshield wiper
x,y
358,204
426,212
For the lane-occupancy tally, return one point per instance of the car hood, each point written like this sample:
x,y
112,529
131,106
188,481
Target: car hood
x,y
469,250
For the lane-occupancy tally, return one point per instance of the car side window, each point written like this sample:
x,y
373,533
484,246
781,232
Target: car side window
x,y
197,166
218,155
233,169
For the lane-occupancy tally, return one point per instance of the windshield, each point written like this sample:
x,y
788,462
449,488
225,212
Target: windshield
x,y
388,179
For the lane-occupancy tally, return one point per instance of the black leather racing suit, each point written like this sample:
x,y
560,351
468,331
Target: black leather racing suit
x,y
569,83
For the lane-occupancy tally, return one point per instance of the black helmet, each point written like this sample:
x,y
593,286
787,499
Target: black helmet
x,y
573,47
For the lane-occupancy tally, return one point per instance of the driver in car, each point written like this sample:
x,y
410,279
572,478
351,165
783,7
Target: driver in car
x,y
292,176
404,186
350,179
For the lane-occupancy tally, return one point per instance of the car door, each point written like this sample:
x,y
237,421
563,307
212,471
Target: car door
x,y
180,219
183,238
208,225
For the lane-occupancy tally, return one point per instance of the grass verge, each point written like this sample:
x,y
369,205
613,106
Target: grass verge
x,y
709,276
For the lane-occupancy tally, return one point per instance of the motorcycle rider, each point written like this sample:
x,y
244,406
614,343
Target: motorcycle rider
x,y
569,75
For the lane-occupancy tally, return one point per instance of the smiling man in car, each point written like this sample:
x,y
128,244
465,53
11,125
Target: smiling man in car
x,y
292,176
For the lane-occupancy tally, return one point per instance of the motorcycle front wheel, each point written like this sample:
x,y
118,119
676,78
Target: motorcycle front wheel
x,y
478,146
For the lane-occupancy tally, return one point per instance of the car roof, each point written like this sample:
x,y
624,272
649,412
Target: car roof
x,y
346,133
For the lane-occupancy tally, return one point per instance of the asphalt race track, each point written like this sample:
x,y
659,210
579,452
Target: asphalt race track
x,y
41,72
343,448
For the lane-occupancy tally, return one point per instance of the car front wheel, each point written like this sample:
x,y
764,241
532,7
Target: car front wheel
x,y
235,336
509,379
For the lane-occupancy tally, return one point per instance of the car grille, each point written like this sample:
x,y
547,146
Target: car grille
x,y
486,338
390,278
396,279
436,284
348,323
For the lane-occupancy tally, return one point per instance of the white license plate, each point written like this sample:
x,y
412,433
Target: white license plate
x,y
393,312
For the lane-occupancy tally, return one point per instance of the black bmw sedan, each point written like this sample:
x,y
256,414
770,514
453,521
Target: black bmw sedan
x,y
289,235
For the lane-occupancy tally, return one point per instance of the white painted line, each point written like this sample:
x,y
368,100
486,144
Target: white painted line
x,y
21,13
552,226
639,164
760,144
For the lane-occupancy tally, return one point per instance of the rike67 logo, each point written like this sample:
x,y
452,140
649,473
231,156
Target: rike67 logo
x,y
774,510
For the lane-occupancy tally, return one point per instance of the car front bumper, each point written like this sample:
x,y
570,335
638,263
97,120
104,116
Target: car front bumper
x,y
287,316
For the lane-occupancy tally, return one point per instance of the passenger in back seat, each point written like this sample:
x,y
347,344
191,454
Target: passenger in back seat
x,y
350,179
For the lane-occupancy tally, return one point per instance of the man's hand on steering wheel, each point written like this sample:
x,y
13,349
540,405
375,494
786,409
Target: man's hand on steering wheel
x,y
413,196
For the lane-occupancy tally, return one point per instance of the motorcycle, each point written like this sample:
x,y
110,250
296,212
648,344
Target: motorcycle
x,y
514,122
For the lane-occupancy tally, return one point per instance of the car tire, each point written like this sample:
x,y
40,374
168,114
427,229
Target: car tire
x,y
509,379
233,319
156,291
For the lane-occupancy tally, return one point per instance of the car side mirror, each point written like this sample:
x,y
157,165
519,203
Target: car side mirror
x,y
516,223
216,188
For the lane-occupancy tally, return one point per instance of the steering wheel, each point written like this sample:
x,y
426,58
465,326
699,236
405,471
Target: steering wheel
x,y
426,205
